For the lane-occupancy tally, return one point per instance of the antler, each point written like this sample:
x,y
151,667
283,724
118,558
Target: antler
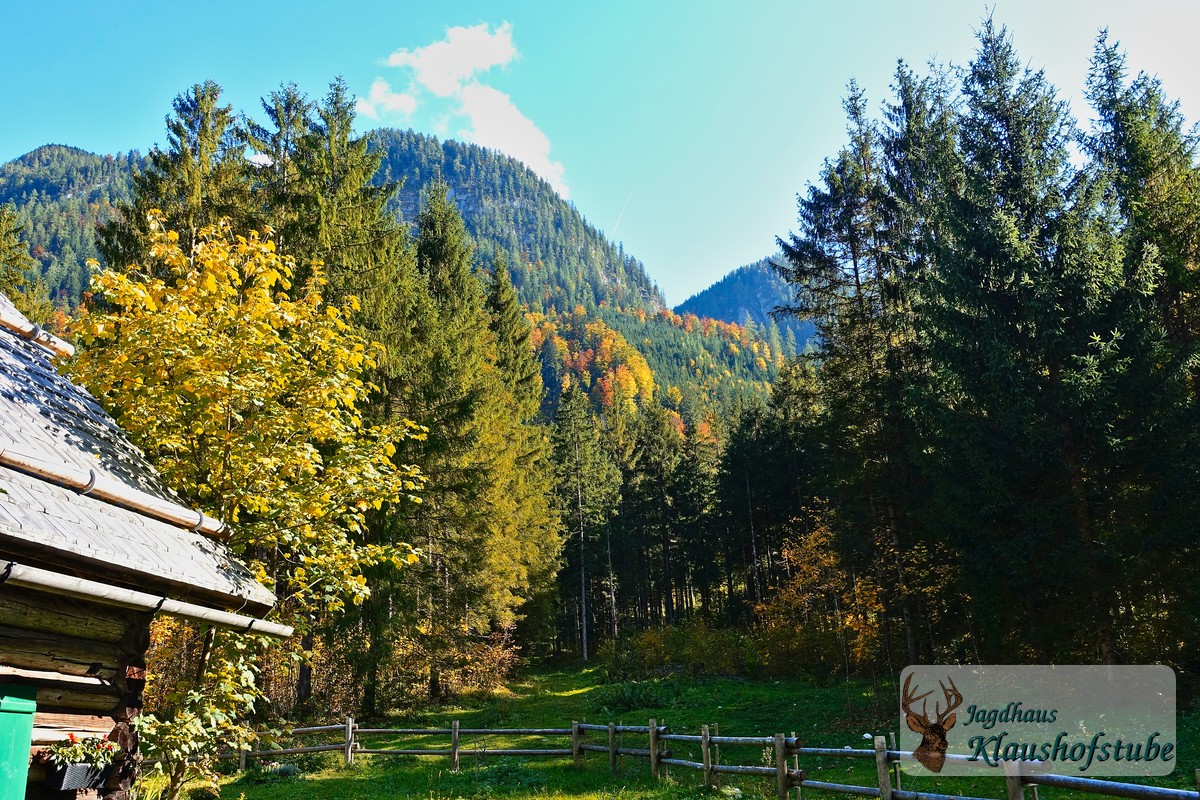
x,y
910,698
953,700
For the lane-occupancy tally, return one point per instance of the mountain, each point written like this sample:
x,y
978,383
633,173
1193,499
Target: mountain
x,y
60,193
598,315
750,293
558,260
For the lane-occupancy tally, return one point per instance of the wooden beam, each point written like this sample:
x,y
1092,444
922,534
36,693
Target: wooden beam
x,y
50,652
50,726
64,693
39,611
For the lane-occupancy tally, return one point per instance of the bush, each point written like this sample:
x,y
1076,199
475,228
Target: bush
x,y
693,648
633,695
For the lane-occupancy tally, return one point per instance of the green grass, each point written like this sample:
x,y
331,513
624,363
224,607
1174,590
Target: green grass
x,y
830,715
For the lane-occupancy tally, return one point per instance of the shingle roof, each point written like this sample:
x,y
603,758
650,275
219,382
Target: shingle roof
x,y
46,417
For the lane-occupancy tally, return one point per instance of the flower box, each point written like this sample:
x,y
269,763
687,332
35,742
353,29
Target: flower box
x,y
64,777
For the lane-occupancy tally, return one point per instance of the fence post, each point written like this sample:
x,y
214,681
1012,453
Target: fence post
x,y
716,756
1198,780
881,769
781,776
612,748
1012,781
654,748
242,761
348,753
896,766
454,746
576,750
796,761
706,756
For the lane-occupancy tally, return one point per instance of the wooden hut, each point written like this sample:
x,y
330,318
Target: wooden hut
x,y
92,546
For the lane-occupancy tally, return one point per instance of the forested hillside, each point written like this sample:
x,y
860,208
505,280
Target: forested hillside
x,y
756,292
59,193
558,259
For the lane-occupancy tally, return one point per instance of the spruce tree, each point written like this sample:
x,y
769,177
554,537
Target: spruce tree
x,y
588,485
514,354
15,261
198,180
1034,326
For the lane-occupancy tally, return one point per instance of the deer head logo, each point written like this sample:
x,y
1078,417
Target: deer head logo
x,y
932,751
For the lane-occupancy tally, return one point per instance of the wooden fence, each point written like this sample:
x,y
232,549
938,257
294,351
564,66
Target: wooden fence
x,y
786,771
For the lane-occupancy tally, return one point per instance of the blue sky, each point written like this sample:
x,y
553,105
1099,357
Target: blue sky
x,y
683,129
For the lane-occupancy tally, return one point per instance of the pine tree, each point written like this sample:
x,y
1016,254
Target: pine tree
x,y
1144,160
588,486
199,179
279,146
15,261
1034,326
515,356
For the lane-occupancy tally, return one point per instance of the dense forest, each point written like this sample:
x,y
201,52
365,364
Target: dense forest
x,y
986,451
58,194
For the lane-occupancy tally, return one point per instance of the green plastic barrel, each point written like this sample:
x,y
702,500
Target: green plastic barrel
x,y
17,704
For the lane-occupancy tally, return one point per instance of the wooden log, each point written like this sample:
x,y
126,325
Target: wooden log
x,y
706,757
1013,786
551,751
882,771
64,693
612,748
781,767
576,744
348,744
716,732
653,731
454,746
844,788
796,765
289,751
51,727
591,726
641,752
735,769
38,611
896,762
514,731
341,726
836,752
51,652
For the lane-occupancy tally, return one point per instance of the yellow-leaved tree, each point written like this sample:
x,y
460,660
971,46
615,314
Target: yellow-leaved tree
x,y
248,403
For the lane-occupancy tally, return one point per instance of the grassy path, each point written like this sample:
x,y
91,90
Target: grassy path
x,y
818,714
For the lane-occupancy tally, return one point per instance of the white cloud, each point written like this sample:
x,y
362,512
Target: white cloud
x,y
496,122
383,100
444,67
452,71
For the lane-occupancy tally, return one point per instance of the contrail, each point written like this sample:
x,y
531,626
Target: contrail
x,y
617,224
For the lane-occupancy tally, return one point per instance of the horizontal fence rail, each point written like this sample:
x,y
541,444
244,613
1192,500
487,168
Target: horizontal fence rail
x,y
787,753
